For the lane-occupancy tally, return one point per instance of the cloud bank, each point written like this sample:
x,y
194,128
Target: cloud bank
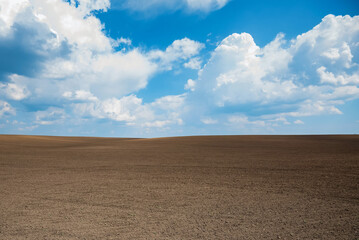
x,y
311,75
61,68
60,55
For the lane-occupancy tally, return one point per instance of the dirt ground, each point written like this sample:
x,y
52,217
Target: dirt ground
x,y
215,187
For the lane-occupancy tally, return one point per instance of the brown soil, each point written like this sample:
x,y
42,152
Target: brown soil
x,y
217,187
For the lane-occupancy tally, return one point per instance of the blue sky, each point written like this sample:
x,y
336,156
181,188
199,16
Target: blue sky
x,y
150,68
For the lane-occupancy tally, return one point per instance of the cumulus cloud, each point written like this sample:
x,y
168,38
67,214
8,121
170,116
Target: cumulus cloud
x,y
73,24
239,64
179,50
63,45
57,52
310,75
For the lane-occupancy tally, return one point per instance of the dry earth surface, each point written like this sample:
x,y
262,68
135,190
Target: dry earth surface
x,y
215,187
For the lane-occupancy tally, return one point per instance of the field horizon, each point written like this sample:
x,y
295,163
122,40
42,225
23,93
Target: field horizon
x,y
193,187
182,136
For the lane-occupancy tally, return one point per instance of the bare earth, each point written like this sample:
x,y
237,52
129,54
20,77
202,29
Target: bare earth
x,y
217,187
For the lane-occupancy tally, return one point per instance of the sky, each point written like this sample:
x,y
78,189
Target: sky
x,y
154,68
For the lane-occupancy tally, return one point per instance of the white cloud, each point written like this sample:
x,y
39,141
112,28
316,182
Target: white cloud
x,y
310,75
80,95
340,79
6,109
74,64
309,108
157,124
8,12
343,92
332,53
125,41
123,73
206,5
71,52
169,103
50,116
73,24
15,89
243,120
209,121
194,63
87,6
131,110
78,67
190,85
123,109
105,75
29,128
240,72
158,6
333,39
298,122
282,120
182,49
